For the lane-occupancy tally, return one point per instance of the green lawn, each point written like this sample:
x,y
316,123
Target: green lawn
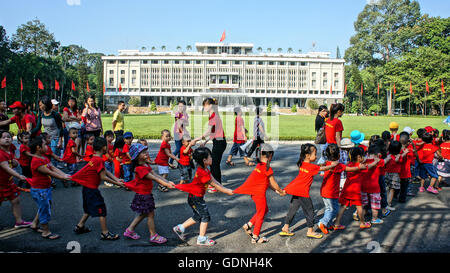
x,y
290,127
293,127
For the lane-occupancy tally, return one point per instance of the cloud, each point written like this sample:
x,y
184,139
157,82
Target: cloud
x,y
73,2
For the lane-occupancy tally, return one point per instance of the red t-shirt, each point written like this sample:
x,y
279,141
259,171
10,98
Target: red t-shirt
x,y
302,183
364,147
258,181
110,153
88,153
6,179
24,160
118,153
40,180
140,184
162,159
331,128
126,158
331,181
239,134
69,113
217,127
370,183
48,154
397,137
426,154
68,156
22,123
352,186
445,150
392,166
405,170
89,175
199,184
185,158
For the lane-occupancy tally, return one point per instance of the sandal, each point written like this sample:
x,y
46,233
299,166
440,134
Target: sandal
x,y
259,240
131,234
247,230
339,227
250,164
51,236
109,236
387,213
81,230
315,236
230,163
36,229
157,239
163,189
284,233
365,225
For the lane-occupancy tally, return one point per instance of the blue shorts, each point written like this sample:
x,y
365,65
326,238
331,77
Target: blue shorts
x,y
200,209
127,175
426,169
43,198
109,167
237,148
93,202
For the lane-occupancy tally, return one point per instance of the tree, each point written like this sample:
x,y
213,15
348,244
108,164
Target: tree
x,y
163,48
33,37
178,48
188,47
135,101
338,53
269,49
269,107
313,105
300,51
279,50
153,48
294,108
153,106
289,50
259,49
377,30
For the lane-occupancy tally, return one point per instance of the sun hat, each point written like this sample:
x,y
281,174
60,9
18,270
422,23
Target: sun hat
x,y
136,149
393,125
408,130
266,148
128,135
55,102
357,137
17,104
346,143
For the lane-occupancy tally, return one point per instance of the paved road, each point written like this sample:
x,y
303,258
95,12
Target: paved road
x,y
420,225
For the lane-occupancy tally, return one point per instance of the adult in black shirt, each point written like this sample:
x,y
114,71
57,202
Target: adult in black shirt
x,y
322,114
3,115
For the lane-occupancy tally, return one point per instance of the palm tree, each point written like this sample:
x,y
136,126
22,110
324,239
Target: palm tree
x,y
143,48
289,50
300,51
259,49
163,48
178,47
279,50
153,48
269,49
188,47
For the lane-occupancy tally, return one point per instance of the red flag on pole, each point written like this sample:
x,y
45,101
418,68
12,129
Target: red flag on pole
x,y
223,36
73,86
56,85
4,82
40,85
427,87
331,89
87,86
345,90
120,87
378,89
361,89
410,88
442,87
395,91
21,85
104,88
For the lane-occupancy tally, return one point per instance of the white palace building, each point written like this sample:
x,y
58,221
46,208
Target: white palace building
x,y
226,71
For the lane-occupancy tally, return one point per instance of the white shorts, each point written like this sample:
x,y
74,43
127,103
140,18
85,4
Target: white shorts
x,y
163,169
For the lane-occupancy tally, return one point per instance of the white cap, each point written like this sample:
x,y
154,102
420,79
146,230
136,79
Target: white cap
x,y
55,102
408,130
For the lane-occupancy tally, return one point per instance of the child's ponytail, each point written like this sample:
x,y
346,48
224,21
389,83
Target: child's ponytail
x,y
305,149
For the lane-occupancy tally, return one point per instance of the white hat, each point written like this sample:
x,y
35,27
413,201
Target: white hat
x,y
408,130
55,102
347,143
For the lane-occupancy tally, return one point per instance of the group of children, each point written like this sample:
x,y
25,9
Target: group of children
x,y
367,177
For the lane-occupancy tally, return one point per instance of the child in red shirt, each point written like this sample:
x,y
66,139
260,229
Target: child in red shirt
x,y
351,192
256,186
9,190
197,189
239,139
89,151
143,202
126,162
185,158
162,159
405,171
393,164
41,185
108,157
331,186
443,167
299,189
90,177
426,156
118,156
71,155
25,158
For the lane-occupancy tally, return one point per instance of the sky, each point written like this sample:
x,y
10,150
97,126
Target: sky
x,y
107,26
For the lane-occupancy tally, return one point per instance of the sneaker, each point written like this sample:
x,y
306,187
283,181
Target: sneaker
x,y
22,224
323,228
163,189
390,208
131,234
108,184
411,194
355,216
377,221
178,232
421,189
365,225
432,190
206,242
212,190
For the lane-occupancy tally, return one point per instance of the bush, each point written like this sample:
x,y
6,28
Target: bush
x,y
294,108
269,107
153,106
313,104
135,101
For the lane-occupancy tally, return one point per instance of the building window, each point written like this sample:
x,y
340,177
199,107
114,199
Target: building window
x,y
249,62
133,72
325,84
224,62
313,74
271,63
261,63
122,80
237,62
111,62
325,74
303,64
292,63
122,72
166,62
336,75
198,62
111,81
122,62
187,62
281,63
155,62
144,62
313,84
176,62
111,72
211,62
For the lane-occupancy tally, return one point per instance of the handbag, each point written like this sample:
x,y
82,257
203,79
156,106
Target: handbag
x,y
321,137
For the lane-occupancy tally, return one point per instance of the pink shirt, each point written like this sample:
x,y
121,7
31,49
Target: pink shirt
x,y
93,121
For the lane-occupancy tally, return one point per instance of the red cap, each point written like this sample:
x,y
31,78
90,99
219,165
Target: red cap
x,y
429,129
17,104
